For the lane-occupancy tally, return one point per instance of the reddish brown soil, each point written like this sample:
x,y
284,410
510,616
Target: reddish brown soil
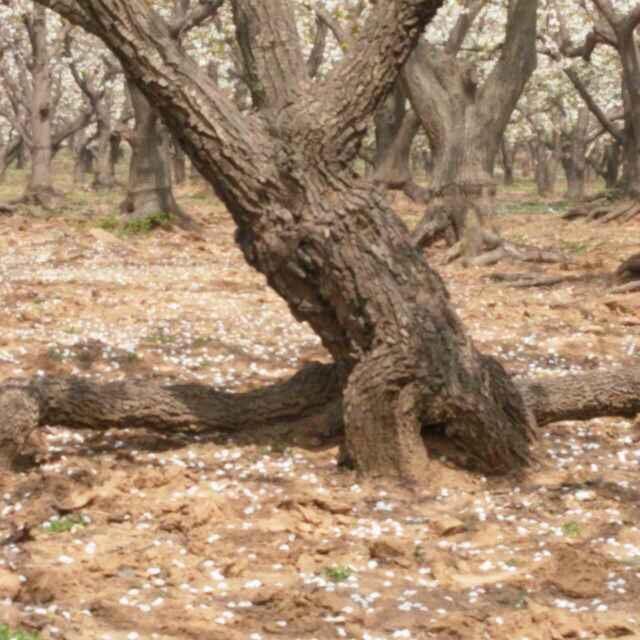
x,y
261,538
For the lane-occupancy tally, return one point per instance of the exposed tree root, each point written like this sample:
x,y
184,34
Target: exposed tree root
x,y
461,222
630,287
531,280
46,198
628,275
604,211
315,391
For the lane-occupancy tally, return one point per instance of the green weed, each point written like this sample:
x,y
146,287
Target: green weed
x,y
571,529
63,525
338,573
135,226
8,634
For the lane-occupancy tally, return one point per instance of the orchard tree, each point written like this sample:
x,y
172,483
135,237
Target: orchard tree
x,y
43,112
328,243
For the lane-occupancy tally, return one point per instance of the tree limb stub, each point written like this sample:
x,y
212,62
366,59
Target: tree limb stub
x,y
316,390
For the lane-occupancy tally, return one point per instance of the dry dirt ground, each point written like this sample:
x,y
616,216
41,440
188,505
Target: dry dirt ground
x,y
129,535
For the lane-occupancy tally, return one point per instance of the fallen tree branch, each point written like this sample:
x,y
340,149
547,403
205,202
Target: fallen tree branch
x,y
314,391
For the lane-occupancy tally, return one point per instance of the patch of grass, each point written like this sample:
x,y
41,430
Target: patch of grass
x,y
528,207
571,529
521,600
338,573
108,223
201,341
574,246
281,448
146,224
160,338
54,354
135,226
63,525
8,634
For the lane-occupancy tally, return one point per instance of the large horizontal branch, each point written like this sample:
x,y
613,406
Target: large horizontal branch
x,y
315,390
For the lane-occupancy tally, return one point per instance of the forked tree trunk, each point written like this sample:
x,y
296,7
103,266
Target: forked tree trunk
x,y
150,189
327,243
465,122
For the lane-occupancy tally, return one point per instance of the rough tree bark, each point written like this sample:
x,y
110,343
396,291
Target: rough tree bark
x,y
327,243
314,394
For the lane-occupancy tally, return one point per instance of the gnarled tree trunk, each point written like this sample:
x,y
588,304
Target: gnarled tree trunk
x,y
327,242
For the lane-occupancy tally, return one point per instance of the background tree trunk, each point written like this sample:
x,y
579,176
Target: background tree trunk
x,y
39,188
150,189
104,178
465,123
573,156
396,127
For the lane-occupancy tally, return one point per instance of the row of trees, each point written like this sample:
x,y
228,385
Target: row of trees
x,y
465,100
276,127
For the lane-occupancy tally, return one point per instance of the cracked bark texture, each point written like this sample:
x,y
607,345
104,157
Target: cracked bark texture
x,y
326,242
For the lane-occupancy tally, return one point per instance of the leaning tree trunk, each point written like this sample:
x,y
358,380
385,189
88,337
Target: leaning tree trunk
x,y
39,189
328,244
150,188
